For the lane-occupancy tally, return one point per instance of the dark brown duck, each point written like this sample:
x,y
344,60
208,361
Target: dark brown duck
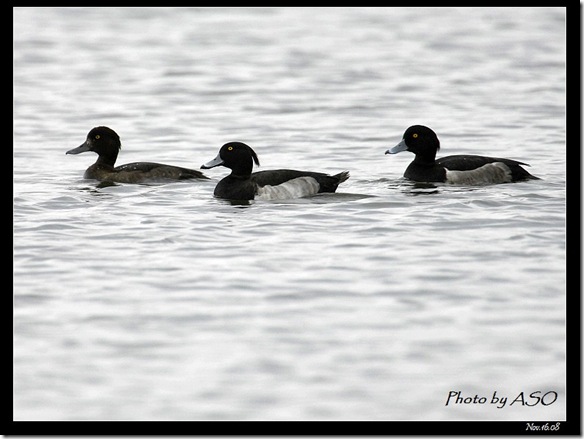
x,y
106,144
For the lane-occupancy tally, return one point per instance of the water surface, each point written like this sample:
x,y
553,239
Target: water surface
x,y
160,302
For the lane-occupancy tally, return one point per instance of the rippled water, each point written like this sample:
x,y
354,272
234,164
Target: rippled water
x,y
161,302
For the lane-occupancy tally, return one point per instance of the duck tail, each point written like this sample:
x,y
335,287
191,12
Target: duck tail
x,y
342,176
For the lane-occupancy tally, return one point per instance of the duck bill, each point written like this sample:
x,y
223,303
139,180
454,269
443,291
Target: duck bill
x,y
401,146
217,161
81,148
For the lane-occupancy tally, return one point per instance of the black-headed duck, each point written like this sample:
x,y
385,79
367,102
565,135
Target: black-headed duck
x,y
242,184
106,144
454,169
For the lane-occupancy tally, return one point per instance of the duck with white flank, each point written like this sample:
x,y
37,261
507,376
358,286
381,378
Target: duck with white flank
x,y
455,169
279,184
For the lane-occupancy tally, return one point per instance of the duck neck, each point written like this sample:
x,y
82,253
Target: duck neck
x,y
425,160
107,159
239,175
242,171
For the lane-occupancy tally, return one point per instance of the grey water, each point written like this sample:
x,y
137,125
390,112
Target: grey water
x,y
161,302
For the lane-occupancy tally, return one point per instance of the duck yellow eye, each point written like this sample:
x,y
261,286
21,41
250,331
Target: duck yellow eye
x,y
230,148
97,136
415,135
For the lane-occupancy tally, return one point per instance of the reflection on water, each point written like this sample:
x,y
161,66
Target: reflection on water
x,y
103,184
420,188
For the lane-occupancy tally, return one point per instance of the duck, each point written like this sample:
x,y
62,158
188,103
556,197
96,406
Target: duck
x,y
277,184
105,142
455,169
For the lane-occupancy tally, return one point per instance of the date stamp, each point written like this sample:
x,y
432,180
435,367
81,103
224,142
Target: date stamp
x,y
533,426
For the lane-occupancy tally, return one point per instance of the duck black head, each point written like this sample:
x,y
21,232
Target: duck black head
x,y
420,140
103,141
236,156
